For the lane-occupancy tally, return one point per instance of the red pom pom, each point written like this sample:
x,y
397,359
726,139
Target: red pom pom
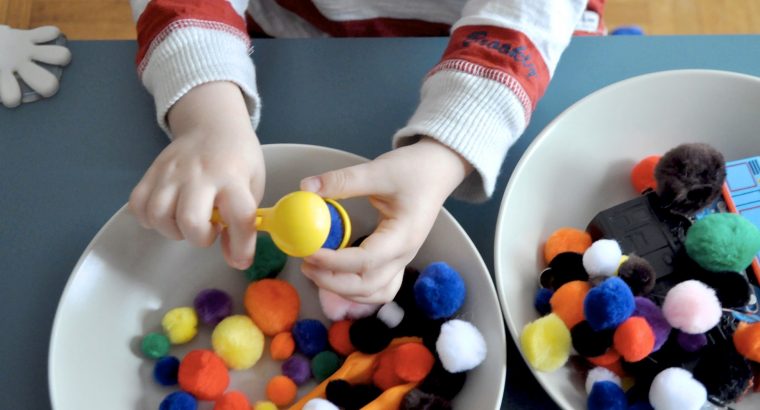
x,y
203,374
634,339
642,174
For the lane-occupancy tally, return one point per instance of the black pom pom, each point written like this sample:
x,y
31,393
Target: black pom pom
x,y
639,274
724,372
358,241
732,288
370,335
362,395
442,383
419,400
589,343
338,392
689,177
565,267
405,295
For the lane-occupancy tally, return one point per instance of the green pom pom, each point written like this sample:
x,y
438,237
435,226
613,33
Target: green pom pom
x,y
723,242
155,345
268,261
324,364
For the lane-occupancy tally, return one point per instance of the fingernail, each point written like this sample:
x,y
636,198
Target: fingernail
x,y
243,264
311,184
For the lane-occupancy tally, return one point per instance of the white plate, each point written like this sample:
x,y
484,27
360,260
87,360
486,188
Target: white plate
x,y
129,277
579,165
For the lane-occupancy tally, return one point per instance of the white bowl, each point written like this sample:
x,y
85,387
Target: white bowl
x,y
129,277
580,165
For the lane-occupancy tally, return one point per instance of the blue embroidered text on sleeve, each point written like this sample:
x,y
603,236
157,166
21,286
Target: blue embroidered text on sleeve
x,y
517,54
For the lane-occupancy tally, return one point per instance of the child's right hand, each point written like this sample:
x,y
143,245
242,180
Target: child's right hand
x,y
215,160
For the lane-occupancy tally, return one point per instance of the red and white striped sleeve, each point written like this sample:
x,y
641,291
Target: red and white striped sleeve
x,y
479,98
186,43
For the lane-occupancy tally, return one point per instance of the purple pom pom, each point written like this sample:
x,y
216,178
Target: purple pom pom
x,y
691,343
212,306
651,312
298,368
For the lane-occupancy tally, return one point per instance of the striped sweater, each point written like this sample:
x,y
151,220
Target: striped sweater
x,y
477,99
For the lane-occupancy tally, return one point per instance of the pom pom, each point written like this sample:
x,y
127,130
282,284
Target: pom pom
x,y
212,305
385,376
310,336
732,288
565,267
282,346
178,400
660,327
298,369
588,342
689,177
638,274
324,364
602,258
391,314
676,389
642,174
155,345
691,343
606,395
233,400
370,335
273,305
607,360
725,374
405,295
566,240
264,405
339,392
203,374
545,343
412,362
723,242
180,325
542,301
692,307
336,307
634,339
166,370
335,236
338,336
567,302
609,304
461,347
418,400
441,382
362,395
747,341
268,262
319,404
238,342
281,390
600,374
439,291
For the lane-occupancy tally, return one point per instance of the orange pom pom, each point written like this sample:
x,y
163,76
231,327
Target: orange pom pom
x,y
634,339
281,390
566,240
412,362
747,341
203,374
233,400
282,346
273,305
385,376
567,302
339,339
606,359
642,174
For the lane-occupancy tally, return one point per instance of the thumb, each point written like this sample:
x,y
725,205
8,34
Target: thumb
x,y
358,180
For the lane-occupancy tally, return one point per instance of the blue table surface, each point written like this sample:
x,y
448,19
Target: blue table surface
x,y
68,163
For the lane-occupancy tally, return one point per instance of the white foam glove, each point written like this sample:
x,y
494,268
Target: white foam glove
x,y
19,52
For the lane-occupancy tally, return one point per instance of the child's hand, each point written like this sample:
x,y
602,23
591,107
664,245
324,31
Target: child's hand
x,y
408,187
215,160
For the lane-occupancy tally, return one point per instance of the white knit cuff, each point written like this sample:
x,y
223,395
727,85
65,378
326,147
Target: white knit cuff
x,y
477,117
192,56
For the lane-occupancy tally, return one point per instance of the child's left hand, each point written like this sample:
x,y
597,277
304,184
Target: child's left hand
x,y
408,187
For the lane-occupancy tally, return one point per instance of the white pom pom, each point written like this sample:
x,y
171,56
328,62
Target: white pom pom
x,y
460,346
319,404
600,374
391,314
676,389
602,258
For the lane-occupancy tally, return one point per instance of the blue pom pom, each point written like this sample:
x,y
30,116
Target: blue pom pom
x,y
627,31
166,370
607,395
541,303
609,304
439,291
335,237
310,336
179,400
641,405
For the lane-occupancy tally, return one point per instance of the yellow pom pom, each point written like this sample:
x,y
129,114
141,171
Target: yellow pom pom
x,y
546,343
264,405
238,342
180,325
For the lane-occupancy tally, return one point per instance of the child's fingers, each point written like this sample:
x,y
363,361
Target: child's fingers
x,y
160,212
194,207
237,208
385,294
372,287
358,180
